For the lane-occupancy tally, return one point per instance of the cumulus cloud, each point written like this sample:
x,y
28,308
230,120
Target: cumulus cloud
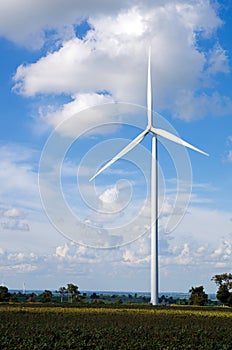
x,y
179,253
62,251
19,268
33,19
13,212
224,251
105,64
83,121
99,61
134,260
203,104
18,262
218,62
15,220
110,195
184,257
16,256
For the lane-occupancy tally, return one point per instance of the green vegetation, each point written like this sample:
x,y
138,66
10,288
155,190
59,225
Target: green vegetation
x,y
224,282
72,291
198,296
68,320
46,296
31,327
65,296
4,294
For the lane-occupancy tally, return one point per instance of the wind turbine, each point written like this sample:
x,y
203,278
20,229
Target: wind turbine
x,y
154,180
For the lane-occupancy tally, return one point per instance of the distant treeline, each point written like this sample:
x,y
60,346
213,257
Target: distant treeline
x,y
71,294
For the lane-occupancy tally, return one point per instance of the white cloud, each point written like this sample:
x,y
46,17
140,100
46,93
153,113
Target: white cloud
x,y
32,19
134,260
200,250
83,122
184,257
204,224
182,252
127,24
16,256
109,65
221,265
110,195
15,225
13,212
224,251
62,251
15,262
214,104
19,268
18,177
15,220
100,61
218,62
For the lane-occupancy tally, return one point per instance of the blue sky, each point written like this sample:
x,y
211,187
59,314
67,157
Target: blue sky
x,y
73,90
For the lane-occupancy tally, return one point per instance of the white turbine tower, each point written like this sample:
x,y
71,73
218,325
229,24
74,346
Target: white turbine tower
x,y
154,181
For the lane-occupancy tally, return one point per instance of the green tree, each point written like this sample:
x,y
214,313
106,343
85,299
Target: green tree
x,y
72,291
46,296
62,291
198,296
224,283
4,294
224,278
223,294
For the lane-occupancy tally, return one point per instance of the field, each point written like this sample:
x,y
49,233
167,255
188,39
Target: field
x,y
49,327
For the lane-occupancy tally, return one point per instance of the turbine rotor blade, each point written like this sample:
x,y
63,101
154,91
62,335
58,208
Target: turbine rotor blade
x,y
149,91
167,135
125,150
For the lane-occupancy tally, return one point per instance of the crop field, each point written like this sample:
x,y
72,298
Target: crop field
x,y
50,327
